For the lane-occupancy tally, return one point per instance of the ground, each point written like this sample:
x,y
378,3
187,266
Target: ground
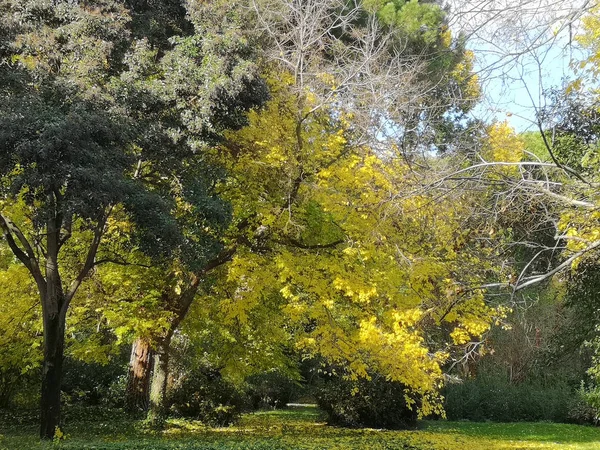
x,y
295,429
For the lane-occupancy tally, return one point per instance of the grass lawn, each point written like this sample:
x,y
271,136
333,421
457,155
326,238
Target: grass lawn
x,y
300,428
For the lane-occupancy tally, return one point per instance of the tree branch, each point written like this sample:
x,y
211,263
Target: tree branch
x,y
223,257
566,169
89,260
530,281
539,278
120,263
27,256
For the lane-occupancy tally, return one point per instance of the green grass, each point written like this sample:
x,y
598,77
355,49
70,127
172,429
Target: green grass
x,y
295,429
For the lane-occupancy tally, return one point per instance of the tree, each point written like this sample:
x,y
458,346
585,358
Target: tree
x,y
229,19
522,47
394,66
101,115
543,184
370,271
342,59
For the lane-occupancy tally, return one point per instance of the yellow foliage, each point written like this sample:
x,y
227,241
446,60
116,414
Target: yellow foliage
x,y
463,74
589,39
356,271
503,144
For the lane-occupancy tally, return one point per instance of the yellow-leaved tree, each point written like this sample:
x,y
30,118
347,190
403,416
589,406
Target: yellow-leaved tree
x,y
335,89
371,272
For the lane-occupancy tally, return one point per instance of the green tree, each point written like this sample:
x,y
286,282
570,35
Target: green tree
x,y
105,114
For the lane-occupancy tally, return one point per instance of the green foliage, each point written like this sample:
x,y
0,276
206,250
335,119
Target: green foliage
x,y
493,397
272,389
57,136
582,302
534,144
419,20
199,390
572,119
373,403
204,395
585,406
91,383
422,28
81,119
529,369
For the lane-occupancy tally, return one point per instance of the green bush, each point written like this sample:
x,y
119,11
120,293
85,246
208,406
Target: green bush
x,y
493,397
17,390
205,395
375,403
585,406
272,390
91,383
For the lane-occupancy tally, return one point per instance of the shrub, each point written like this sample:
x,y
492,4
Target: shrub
x,y
90,383
493,397
115,393
375,403
19,390
585,406
205,395
272,390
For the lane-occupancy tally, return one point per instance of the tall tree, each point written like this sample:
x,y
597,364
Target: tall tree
x,y
370,271
102,114
339,58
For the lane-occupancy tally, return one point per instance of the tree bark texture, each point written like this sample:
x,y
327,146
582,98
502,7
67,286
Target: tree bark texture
x,y
158,389
54,311
54,343
137,394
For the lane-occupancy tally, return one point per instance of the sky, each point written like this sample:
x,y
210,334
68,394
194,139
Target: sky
x,y
517,92
522,48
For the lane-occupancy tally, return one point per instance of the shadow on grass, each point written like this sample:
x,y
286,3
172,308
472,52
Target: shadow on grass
x,y
300,428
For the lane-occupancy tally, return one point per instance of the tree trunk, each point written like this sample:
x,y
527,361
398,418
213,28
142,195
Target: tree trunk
x,y
54,342
54,314
138,378
158,389
180,305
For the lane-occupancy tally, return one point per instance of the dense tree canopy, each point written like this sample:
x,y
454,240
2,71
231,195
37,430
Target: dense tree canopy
x,y
268,184
98,118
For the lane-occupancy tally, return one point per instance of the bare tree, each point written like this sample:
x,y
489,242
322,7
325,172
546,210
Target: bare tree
x,y
520,45
344,56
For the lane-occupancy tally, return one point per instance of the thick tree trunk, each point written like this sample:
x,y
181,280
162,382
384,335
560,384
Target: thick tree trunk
x,y
180,305
54,342
137,394
158,389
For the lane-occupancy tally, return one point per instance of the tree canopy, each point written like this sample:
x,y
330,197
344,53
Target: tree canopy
x,y
272,183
